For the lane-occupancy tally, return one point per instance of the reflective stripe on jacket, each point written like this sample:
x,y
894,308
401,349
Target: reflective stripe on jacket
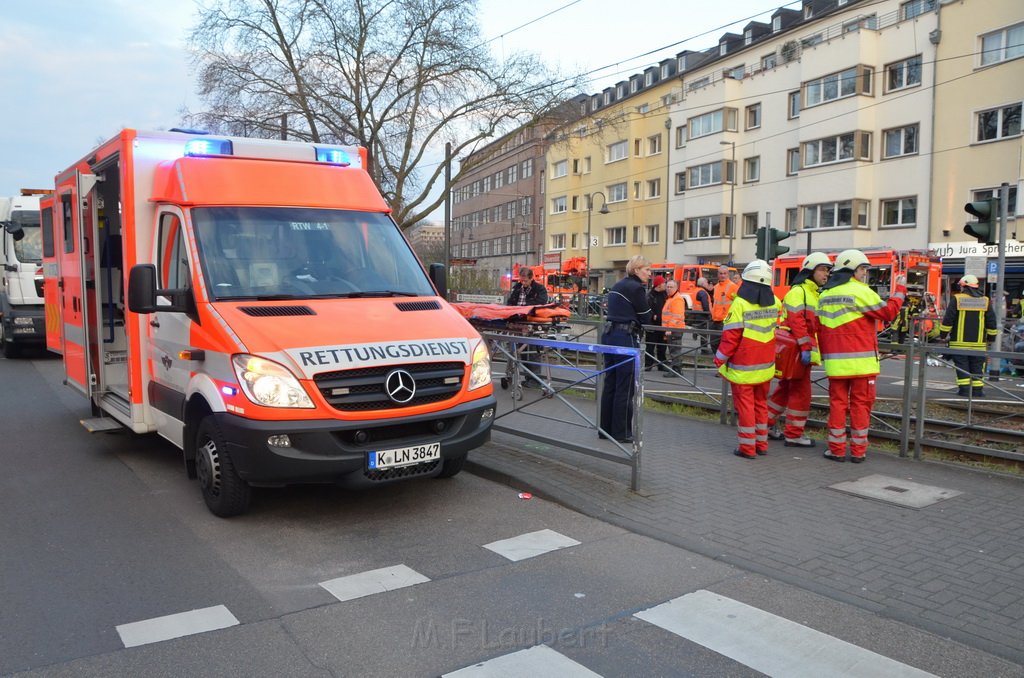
x,y
847,315
673,313
970,322
724,293
748,342
799,316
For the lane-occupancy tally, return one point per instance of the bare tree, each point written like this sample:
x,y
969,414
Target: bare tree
x,y
400,77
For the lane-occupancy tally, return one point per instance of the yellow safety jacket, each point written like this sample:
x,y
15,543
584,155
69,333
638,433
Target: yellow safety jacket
x,y
847,339
970,322
748,342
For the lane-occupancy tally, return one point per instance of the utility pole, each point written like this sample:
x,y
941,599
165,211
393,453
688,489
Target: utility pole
x,y
1000,303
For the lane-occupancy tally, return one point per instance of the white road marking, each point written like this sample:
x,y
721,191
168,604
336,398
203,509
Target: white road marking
x,y
176,625
373,581
539,661
530,544
766,642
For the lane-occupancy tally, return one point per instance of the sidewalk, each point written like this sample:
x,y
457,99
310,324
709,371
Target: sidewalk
x,y
954,568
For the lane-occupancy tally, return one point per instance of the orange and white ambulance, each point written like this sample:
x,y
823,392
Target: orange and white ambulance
x,y
254,303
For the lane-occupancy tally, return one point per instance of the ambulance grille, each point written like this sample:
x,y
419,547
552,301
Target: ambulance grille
x,y
401,471
273,311
362,389
417,305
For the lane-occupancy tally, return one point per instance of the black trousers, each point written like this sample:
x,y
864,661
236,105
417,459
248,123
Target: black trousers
x,y
617,395
970,369
655,351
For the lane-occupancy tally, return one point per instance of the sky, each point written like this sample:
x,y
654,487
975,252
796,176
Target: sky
x,y
74,73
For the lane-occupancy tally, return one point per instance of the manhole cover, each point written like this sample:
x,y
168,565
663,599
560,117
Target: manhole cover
x,y
896,491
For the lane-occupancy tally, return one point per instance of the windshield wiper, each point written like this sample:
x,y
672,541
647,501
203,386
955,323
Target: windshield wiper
x,y
378,293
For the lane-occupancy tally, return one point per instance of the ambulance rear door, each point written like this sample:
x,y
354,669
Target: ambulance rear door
x,y
51,277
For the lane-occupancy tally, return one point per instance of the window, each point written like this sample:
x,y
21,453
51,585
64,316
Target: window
x,y
499,179
750,224
654,145
999,123
794,105
735,72
1002,45
513,172
842,214
620,91
723,47
174,272
653,234
909,10
487,184
636,190
606,98
708,227
558,205
618,151
636,235
634,86
899,141
902,74
769,61
679,231
664,71
680,136
849,146
648,78
792,161
643,108
527,168
899,212
654,188
709,174
558,241
710,123
753,116
574,240
835,86
560,169
792,215
617,192
748,36
637,148
985,194
616,235
575,202
680,182
776,24
752,169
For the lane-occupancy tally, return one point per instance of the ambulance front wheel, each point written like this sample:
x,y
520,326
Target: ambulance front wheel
x,y
452,466
225,493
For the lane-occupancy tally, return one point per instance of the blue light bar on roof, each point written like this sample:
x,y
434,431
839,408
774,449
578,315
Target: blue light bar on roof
x,y
208,147
335,156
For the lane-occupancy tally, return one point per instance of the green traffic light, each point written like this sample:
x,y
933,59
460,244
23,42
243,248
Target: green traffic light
x,y
984,229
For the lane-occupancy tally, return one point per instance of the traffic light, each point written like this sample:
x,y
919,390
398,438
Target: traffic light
x,y
984,229
768,243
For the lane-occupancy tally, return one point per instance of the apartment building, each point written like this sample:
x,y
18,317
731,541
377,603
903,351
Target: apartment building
x,y
818,122
978,98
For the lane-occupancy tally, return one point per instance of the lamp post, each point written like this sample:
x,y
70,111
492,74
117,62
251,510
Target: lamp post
x,y
590,208
732,197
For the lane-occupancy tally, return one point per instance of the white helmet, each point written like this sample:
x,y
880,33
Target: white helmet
x,y
758,271
851,260
969,280
816,259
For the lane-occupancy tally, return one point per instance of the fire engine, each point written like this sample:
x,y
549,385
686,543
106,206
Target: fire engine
x,y
686,275
562,283
254,303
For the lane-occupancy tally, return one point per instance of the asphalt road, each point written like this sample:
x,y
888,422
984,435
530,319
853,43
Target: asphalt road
x,y
103,536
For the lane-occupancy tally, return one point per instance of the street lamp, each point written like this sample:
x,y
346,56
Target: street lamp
x,y
590,208
732,197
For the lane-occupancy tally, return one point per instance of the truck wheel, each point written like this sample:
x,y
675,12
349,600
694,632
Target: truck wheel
x,y
450,467
10,349
225,493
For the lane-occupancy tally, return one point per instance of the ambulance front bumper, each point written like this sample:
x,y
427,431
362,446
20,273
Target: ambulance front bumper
x,y
332,451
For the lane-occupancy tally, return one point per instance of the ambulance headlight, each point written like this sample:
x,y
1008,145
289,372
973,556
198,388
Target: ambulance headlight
x,y
267,383
480,373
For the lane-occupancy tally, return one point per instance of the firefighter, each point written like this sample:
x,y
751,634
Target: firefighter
x,y
722,295
793,395
673,316
970,324
848,311
746,355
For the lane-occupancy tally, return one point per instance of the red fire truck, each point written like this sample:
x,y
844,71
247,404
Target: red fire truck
x,y
686,275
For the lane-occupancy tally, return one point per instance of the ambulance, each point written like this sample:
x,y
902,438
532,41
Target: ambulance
x,y
254,303
21,279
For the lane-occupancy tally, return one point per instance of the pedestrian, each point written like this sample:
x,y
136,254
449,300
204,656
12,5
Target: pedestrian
x,y
527,291
703,301
627,313
848,312
792,394
724,292
655,352
746,356
674,316
970,324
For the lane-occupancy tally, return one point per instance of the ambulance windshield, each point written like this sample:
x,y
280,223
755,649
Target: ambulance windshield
x,y
304,253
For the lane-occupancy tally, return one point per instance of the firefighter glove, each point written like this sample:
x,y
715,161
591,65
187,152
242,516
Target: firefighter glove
x,y
805,357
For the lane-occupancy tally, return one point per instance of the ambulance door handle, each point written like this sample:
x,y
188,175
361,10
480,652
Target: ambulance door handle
x,y
154,323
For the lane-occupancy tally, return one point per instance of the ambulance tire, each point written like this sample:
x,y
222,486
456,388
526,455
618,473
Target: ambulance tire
x,y
451,467
224,492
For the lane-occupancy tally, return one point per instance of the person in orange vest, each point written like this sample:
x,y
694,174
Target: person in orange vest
x,y
746,356
673,315
792,393
722,295
848,311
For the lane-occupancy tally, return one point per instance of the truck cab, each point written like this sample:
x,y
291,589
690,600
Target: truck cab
x,y
23,324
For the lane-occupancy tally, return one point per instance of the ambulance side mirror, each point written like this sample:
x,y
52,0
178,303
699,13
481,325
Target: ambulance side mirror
x,y
142,292
439,276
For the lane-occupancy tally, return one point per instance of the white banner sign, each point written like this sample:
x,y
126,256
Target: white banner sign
x,y
969,248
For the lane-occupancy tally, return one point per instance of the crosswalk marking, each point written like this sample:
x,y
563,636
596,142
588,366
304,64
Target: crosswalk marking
x,y
373,581
768,643
530,544
176,625
539,661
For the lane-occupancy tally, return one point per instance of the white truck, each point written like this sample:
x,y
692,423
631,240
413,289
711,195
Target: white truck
x,y
22,321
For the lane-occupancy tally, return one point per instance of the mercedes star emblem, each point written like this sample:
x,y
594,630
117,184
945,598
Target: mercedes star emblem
x,y
400,386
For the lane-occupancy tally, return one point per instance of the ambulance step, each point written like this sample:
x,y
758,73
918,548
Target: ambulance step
x,y
101,424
